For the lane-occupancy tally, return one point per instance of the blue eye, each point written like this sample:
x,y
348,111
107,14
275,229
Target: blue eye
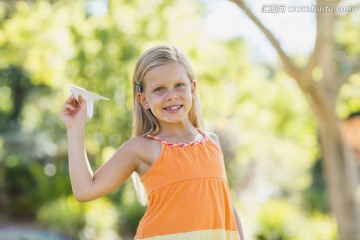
x,y
180,85
159,89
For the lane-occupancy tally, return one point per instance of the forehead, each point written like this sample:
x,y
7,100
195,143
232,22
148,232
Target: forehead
x,y
165,73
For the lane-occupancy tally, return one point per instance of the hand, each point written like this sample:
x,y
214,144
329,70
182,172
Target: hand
x,y
74,112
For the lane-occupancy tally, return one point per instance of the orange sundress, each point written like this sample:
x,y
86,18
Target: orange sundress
x,y
188,194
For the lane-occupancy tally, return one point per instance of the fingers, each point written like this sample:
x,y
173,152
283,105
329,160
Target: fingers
x,y
73,111
72,105
81,99
71,99
68,109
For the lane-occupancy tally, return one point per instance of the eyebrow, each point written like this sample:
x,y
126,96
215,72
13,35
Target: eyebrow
x,y
176,81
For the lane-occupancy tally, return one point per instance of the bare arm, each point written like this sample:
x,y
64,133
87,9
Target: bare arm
x,y
238,224
237,218
81,173
86,184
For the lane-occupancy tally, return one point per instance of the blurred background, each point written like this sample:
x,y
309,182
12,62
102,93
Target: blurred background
x,y
274,99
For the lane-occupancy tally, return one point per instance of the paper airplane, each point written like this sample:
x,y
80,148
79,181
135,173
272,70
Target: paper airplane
x,y
88,96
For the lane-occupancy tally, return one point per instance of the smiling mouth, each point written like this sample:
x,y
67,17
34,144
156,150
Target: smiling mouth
x,y
173,108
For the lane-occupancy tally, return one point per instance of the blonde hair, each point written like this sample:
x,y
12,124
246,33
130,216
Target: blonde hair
x,y
144,122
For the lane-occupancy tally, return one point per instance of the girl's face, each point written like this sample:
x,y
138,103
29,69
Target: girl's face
x,y
168,93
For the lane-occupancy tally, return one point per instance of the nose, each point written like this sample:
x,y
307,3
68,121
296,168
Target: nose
x,y
172,95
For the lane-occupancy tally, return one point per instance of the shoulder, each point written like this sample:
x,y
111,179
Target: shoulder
x,y
144,150
213,137
139,143
135,141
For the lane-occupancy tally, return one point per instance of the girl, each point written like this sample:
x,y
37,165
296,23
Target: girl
x,y
180,165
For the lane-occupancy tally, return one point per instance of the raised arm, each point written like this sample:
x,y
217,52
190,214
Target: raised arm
x,y
86,184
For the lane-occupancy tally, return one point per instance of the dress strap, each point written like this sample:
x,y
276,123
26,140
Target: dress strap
x,y
192,143
202,133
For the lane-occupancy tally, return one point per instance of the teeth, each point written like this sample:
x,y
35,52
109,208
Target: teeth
x,y
173,108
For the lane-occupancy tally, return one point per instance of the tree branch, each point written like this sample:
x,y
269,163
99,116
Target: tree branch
x,y
312,62
314,57
303,77
288,65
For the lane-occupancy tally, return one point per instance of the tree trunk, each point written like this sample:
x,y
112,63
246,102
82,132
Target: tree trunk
x,y
338,158
340,177
340,172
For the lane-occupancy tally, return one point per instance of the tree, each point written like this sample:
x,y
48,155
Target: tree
x,y
321,92
44,46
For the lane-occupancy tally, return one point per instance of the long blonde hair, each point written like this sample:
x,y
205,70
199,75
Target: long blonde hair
x,y
144,122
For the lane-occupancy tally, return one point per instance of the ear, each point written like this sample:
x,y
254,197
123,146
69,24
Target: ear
x,y
142,100
193,88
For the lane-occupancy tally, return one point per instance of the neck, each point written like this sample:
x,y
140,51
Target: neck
x,y
177,129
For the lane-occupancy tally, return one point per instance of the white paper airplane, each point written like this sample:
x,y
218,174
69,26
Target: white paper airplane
x,y
88,96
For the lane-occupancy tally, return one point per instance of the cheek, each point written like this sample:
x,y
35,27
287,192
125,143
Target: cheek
x,y
190,95
155,101
189,101
185,92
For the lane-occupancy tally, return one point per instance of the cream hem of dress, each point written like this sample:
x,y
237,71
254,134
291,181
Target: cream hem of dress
x,y
211,234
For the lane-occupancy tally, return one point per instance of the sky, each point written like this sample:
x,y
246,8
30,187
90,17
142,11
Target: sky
x,y
295,30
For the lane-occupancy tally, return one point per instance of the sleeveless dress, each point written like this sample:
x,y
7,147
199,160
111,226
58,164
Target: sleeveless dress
x,y
188,194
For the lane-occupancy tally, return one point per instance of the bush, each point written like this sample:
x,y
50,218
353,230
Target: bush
x,y
64,215
18,184
25,187
92,220
280,220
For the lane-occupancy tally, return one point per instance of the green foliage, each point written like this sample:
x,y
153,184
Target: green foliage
x,y
18,184
347,56
44,47
13,86
131,211
26,186
348,99
315,197
93,220
268,136
63,215
281,220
